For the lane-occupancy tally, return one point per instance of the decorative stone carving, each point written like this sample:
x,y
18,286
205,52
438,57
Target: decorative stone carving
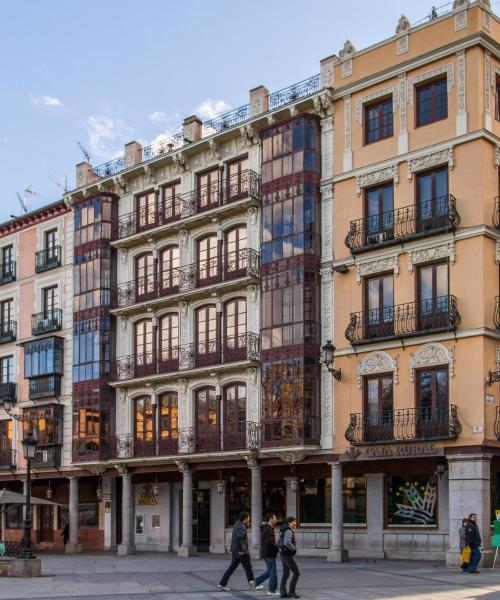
x,y
124,255
392,89
293,110
327,74
497,252
183,385
182,465
422,255
326,302
252,375
402,103
403,24
120,185
487,76
183,307
388,263
461,80
180,163
402,45
150,175
215,152
450,80
497,156
183,237
460,4
97,469
322,103
347,123
326,228
497,357
347,67
430,355
432,159
430,253
253,215
122,469
249,134
124,322
251,460
347,50
461,20
270,119
377,362
253,291
374,177
292,456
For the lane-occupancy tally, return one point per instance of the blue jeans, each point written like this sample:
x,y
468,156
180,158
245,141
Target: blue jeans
x,y
244,560
270,573
474,560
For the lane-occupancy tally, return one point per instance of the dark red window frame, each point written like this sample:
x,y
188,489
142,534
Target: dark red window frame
x,y
235,342
237,179
378,120
207,341
209,189
171,201
145,277
438,109
144,359
208,259
235,255
169,275
169,352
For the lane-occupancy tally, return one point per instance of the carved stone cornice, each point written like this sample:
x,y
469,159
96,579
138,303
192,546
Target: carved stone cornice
x,y
432,159
431,355
377,362
392,89
252,460
450,80
182,465
121,186
250,135
180,162
122,469
423,255
373,177
292,456
97,469
150,175
377,265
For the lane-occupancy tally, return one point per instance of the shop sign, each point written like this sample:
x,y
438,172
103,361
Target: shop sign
x,y
147,497
393,451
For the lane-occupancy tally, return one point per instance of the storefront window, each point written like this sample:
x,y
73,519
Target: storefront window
x,y
14,516
88,516
411,500
274,498
315,501
495,494
238,499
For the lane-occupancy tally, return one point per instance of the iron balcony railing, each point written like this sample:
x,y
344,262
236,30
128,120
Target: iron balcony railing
x,y
406,424
8,392
7,456
47,456
497,423
234,265
8,331
44,386
290,431
237,187
48,320
496,314
230,349
223,122
417,220
7,272
403,320
48,258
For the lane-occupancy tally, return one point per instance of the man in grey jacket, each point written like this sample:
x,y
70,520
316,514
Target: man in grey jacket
x,y
240,554
288,549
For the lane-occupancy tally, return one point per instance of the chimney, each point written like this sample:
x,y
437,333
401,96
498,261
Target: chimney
x,y
191,128
259,101
133,154
84,174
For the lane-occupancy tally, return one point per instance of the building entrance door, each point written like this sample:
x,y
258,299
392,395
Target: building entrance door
x,y
201,520
46,535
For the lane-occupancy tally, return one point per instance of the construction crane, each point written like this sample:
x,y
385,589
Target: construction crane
x,y
84,151
64,187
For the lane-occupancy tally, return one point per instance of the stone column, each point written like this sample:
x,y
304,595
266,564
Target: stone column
x,y
469,492
375,516
127,546
337,552
186,549
72,547
256,505
109,499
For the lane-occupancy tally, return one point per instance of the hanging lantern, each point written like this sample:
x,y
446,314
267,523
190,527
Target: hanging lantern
x,y
156,488
294,485
50,493
220,484
98,491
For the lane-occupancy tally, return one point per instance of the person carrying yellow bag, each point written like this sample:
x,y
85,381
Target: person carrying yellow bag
x,y
465,558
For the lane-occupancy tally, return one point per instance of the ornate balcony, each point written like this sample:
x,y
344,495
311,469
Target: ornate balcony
x,y
403,224
245,263
212,438
7,456
189,356
44,322
246,185
8,392
403,425
7,272
48,258
44,387
290,431
404,320
94,447
8,331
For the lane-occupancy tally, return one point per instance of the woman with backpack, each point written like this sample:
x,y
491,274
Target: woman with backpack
x,y
288,548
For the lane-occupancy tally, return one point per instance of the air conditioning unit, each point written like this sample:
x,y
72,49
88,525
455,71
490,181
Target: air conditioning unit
x,y
42,456
377,238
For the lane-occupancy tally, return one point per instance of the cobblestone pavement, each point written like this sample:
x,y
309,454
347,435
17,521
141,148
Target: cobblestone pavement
x,y
152,576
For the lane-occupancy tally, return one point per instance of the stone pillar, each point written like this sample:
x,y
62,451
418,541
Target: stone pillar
x,y
375,515
337,552
291,498
72,547
469,492
217,518
186,549
109,499
256,505
127,546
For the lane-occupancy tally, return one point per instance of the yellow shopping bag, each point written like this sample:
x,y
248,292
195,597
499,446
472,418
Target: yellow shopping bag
x,y
466,554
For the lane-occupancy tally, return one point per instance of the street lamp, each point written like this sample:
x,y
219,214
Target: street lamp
x,y
328,354
29,449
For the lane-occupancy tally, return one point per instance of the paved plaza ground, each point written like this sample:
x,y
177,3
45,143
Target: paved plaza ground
x,y
151,576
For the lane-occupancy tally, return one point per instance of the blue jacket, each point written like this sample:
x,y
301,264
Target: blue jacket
x,y
239,538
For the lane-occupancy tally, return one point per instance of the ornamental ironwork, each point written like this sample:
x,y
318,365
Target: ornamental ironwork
x,y
244,435
48,320
290,431
124,445
295,92
48,258
227,120
7,456
417,220
407,424
432,314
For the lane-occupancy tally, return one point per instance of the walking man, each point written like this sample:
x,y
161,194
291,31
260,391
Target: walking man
x,y
270,551
288,548
473,540
240,554
461,537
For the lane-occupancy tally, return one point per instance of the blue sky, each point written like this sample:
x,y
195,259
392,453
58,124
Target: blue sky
x,y
111,71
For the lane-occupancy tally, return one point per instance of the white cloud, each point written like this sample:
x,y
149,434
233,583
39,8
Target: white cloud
x,y
158,117
46,101
107,136
209,108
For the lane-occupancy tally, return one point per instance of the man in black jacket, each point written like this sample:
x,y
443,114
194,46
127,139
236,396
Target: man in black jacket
x,y
269,553
473,540
288,548
240,553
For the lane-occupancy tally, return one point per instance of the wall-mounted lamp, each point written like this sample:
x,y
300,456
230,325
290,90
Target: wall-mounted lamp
x,y
493,377
220,484
328,356
98,491
441,468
